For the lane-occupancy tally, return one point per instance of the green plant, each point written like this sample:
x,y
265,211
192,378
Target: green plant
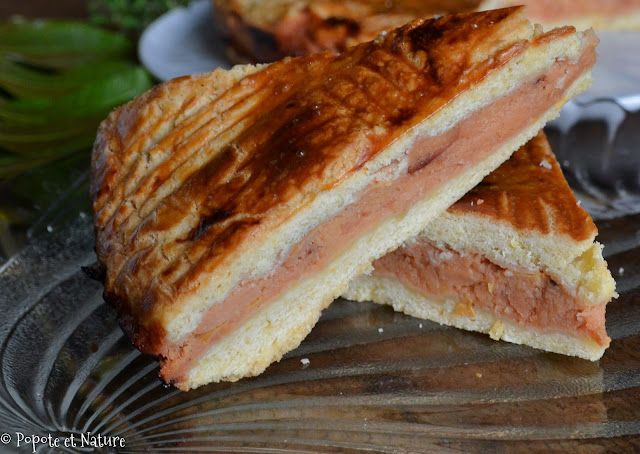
x,y
131,16
58,81
60,44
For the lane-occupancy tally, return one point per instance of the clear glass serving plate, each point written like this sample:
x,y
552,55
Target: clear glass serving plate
x,y
597,136
376,381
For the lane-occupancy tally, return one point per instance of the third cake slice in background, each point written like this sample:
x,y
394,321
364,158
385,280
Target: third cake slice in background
x,y
514,258
267,30
262,31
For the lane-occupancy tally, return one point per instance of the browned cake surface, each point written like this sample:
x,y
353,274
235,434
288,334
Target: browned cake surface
x,y
180,184
529,192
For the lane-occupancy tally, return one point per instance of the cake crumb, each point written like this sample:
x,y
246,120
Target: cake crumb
x,y
464,309
621,271
381,330
497,330
544,163
480,201
579,203
478,375
490,286
305,361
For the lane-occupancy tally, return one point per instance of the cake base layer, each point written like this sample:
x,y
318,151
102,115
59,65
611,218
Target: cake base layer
x,y
457,313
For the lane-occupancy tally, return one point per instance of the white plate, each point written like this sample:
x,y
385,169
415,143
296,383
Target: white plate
x,y
182,41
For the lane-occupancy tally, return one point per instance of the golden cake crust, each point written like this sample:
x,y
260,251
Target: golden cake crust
x,y
529,192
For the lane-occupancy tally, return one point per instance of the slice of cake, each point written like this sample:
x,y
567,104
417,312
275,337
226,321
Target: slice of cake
x,y
231,208
262,31
267,30
514,258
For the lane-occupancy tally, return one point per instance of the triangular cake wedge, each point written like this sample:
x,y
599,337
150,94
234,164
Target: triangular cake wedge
x,y
267,30
514,258
231,208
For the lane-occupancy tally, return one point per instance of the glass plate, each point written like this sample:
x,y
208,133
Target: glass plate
x,y
376,381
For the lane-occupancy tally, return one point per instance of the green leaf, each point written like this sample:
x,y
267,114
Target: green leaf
x,y
76,110
40,130
106,93
131,16
51,141
60,44
26,82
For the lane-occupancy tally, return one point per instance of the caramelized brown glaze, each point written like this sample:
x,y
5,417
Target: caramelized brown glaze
x,y
180,185
530,193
